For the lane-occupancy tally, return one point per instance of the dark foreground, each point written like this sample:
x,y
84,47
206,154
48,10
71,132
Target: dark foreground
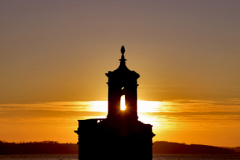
x,y
155,157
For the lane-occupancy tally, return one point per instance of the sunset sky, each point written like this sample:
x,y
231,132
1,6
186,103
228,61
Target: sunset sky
x,y
54,56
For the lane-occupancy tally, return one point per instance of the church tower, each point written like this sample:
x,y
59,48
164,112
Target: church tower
x,y
122,81
120,135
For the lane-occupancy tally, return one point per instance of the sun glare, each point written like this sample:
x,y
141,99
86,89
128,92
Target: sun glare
x,y
143,106
149,106
98,106
148,119
122,103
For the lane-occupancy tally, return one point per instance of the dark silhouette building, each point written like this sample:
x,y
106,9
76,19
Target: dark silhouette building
x,y
120,135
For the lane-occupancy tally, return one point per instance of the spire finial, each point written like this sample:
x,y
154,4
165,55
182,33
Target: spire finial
x,y
122,57
122,50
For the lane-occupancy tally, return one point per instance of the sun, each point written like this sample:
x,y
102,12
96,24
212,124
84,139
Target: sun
x,y
122,103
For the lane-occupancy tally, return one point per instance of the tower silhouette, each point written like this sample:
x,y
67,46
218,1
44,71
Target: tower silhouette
x,y
122,81
120,135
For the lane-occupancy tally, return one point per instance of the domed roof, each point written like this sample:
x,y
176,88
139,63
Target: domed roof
x,y
122,71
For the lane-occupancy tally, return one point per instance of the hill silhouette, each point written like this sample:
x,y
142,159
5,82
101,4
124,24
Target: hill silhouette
x,y
45,147
159,147
163,147
237,149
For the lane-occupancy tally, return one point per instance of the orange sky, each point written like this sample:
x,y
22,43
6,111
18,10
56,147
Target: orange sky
x,y
188,121
59,51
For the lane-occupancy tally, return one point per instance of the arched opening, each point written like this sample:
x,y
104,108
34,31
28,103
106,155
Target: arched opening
x,y
122,103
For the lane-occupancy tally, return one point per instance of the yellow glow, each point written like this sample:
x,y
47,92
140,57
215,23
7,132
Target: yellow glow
x,y
148,119
149,106
154,106
98,106
122,103
143,106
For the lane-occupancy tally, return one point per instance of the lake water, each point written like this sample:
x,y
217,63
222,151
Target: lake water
x,y
155,157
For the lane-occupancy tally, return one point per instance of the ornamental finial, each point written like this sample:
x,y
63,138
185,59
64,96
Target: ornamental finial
x,y
122,50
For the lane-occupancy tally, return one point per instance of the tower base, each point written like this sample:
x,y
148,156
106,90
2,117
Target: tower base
x,y
114,139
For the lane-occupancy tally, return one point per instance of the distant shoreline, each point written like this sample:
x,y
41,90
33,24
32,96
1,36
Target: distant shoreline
x,y
159,147
163,147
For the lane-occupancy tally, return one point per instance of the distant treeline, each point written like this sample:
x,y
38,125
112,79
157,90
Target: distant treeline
x,y
163,147
45,147
159,147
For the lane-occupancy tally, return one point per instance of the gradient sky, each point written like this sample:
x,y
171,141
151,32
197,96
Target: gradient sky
x,y
185,51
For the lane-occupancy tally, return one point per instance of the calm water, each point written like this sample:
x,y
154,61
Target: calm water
x,y
155,157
